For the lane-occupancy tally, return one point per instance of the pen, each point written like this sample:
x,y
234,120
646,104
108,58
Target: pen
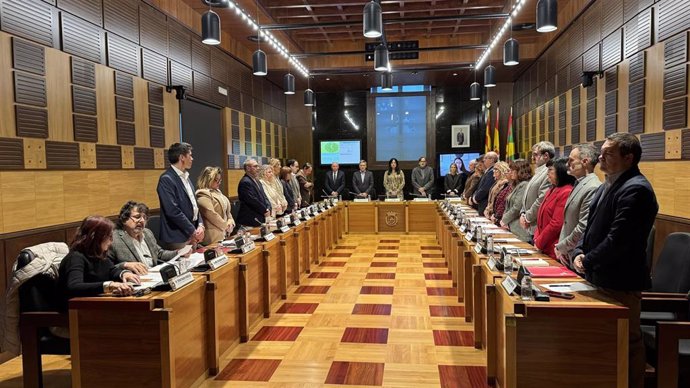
x,y
559,285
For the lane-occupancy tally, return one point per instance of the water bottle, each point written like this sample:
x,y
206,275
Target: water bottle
x,y
526,288
490,245
508,264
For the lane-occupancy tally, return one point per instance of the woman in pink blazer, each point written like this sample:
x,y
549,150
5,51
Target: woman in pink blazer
x,y
550,216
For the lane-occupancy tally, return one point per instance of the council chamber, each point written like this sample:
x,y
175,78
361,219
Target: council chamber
x,y
316,193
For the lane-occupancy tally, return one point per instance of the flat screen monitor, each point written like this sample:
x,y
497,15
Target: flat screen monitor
x,y
341,151
444,160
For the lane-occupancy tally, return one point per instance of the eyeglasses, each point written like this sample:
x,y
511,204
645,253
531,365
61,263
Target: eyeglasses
x,y
139,217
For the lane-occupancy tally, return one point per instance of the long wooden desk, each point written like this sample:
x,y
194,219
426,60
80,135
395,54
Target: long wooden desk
x,y
391,217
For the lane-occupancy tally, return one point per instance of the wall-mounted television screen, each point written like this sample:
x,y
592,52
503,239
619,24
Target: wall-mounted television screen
x,y
341,151
444,160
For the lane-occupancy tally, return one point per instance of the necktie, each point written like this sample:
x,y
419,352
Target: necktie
x,y
334,175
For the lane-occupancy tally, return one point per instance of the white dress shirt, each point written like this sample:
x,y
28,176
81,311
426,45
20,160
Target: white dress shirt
x,y
184,176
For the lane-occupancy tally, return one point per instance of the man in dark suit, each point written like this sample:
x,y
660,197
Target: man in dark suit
x,y
305,186
181,222
254,205
363,181
480,198
335,181
612,252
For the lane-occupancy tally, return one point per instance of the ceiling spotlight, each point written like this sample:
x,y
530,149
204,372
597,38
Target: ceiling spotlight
x,y
308,97
547,15
511,52
387,81
210,28
475,91
289,84
489,76
373,20
259,64
381,58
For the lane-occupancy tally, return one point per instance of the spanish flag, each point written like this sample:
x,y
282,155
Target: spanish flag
x,y
497,147
510,141
487,141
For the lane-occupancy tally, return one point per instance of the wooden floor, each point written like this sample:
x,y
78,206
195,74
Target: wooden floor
x,y
379,311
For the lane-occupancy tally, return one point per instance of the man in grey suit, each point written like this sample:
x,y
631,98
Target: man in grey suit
x,y
363,181
581,162
423,179
542,152
134,247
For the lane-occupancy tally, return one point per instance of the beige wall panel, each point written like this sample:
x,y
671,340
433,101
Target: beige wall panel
x,y
127,157
105,99
34,153
672,190
299,134
159,156
50,198
99,194
233,180
601,109
7,124
654,90
568,118
172,119
149,188
59,95
253,138
623,104
18,200
124,186
674,144
226,127
87,155
76,195
141,112
2,227
264,128
583,115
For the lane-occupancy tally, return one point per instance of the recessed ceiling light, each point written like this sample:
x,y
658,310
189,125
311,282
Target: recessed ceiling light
x,y
455,74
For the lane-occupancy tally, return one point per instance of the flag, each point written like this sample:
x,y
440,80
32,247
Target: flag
x,y
510,141
487,141
497,147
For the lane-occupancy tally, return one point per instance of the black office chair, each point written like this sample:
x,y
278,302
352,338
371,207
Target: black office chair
x,y
39,309
154,225
665,307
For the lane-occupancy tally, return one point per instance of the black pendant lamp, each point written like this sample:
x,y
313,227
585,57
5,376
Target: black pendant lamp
x,y
373,20
308,97
381,58
475,91
511,52
259,63
489,76
210,28
289,83
387,81
547,15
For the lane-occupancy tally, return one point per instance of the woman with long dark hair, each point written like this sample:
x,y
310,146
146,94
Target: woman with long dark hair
x,y
394,180
550,216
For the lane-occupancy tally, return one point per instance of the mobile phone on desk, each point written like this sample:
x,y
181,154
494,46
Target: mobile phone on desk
x,y
562,295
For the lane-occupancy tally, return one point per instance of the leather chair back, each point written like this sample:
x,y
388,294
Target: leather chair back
x,y
154,225
672,269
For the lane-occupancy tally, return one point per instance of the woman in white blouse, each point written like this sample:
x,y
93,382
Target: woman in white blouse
x,y
273,189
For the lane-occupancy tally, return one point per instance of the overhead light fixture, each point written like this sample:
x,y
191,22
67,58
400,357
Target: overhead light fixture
x,y
387,81
496,39
489,77
373,20
289,83
308,97
210,28
381,62
259,63
511,52
475,91
547,15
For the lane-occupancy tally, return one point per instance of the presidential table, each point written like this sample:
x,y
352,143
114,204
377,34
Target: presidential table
x,y
391,217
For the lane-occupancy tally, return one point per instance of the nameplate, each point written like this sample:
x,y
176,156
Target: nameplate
x,y
392,200
284,229
509,284
454,199
248,247
421,200
361,200
463,228
297,222
269,236
218,262
491,263
469,236
452,217
478,249
307,218
181,280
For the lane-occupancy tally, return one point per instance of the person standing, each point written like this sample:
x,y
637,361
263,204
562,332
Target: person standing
x,y
292,182
305,186
542,152
363,181
480,198
214,205
273,190
612,252
581,162
423,179
520,174
394,180
285,176
181,223
254,205
550,216
452,182
476,172
335,181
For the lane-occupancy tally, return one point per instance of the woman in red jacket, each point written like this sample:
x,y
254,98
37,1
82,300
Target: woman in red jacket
x,y
550,216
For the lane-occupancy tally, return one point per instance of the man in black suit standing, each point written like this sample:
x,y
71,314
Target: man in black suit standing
x,y
181,222
335,181
480,198
363,181
612,252
254,205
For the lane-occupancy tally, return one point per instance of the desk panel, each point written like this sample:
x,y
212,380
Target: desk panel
x,y
361,217
256,288
421,217
274,276
392,217
223,302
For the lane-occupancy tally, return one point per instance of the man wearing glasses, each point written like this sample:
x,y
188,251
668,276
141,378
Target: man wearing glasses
x,y
134,246
254,205
542,152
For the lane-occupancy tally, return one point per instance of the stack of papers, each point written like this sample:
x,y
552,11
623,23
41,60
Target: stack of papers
x,y
569,287
532,262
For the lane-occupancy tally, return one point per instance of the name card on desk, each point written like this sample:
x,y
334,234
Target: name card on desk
x,y
269,236
284,228
307,218
218,262
421,199
248,247
392,200
491,263
469,236
478,249
181,280
463,228
297,222
361,200
509,284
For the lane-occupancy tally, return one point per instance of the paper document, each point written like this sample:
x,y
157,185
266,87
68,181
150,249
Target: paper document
x,y
532,262
506,239
149,280
569,287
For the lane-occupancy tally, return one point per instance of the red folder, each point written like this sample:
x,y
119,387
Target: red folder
x,y
552,272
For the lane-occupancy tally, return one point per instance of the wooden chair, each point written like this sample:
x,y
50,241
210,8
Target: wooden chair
x,y
38,306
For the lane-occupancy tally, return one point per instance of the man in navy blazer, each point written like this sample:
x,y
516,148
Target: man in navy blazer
x,y
480,198
181,222
612,252
254,204
335,180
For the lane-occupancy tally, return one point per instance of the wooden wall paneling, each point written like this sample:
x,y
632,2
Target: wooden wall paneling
x,y
592,25
123,54
50,199
62,155
672,190
612,16
676,81
216,97
583,115
126,133
76,194
31,122
181,75
154,67
675,113
654,94
7,123
105,105
82,38
124,85
201,57
180,46
108,157
84,101
30,89
124,109
233,179
40,25
622,96
85,9
672,17
653,146
141,112
87,155
674,144
153,29
612,48
171,108
18,200
34,154
685,153
83,73
202,86
58,72
159,158
122,18
127,157
601,108
99,197
11,154
150,182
